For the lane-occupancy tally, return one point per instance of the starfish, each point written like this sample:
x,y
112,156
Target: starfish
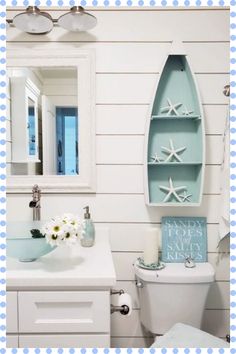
x,y
155,158
172,191
172,151
186,112
185,197
172,107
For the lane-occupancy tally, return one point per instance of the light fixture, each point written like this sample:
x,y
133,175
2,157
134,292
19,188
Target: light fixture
x,y
77,20
33,21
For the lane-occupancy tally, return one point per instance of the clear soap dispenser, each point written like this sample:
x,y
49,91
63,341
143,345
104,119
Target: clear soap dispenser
x,y
88,230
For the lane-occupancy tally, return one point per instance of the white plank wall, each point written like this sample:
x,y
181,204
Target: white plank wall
x,y
128,62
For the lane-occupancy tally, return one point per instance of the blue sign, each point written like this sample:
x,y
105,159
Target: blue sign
x,y
184,237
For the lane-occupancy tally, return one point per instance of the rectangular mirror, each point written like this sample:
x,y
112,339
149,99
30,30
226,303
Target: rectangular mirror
x,y
51,114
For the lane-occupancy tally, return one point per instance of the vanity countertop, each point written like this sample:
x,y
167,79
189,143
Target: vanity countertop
x,y
66,268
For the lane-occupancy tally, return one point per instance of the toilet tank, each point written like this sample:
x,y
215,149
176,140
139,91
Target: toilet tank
x,y
173,294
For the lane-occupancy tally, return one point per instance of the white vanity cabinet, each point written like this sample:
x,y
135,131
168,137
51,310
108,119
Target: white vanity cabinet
x,y
65,308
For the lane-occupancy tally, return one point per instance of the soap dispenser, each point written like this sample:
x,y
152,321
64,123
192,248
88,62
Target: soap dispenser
x,y
88,230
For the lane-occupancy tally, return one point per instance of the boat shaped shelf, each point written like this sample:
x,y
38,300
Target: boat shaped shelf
x,y
175,139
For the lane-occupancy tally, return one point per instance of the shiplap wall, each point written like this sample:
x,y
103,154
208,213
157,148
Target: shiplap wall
x,y
130,48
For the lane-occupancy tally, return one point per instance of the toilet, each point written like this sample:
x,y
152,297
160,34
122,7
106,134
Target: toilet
x,y
172,295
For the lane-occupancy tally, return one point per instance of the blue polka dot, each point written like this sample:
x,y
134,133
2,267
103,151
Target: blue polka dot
x,y
72,3
83,350
2,316
209,350
118,3
25,350
2,292
26,2
209,2
198,2
106,3
233,188
2,246
2,153
37,350
37,2
233,281
140,3
2,258
48,3
232,72
232,2
3,339
83,3
3,14
233,95
164,351
117,350
233,176
3,304
2,188
233,339
95,351
233,164
233,60
48,350
175,3
233,212
141,351
71,350
233,83
163,2
14,350
232,14
221,2
233,258
186,2
152,3
186,351
233,316
152,350
233,304
175,350
129,350
233,200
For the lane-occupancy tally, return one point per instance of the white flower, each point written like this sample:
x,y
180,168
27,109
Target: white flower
x,y
62,230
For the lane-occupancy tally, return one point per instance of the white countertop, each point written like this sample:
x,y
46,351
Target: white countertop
x,y
65,269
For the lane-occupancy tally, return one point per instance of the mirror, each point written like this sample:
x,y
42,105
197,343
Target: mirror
x,y
52,125
60,156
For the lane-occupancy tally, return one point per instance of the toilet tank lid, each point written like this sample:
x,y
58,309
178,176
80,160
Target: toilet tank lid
x,y
178,273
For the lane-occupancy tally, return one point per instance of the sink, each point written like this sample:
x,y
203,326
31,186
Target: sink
x,y
20,243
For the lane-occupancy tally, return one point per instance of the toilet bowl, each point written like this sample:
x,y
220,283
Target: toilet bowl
x,y
173,294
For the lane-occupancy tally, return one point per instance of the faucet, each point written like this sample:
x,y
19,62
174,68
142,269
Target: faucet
x,y
35,202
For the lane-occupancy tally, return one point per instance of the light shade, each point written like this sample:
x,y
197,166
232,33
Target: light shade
x,y
77,20
33,21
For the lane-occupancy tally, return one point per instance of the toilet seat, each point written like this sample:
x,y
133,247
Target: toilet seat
x,y
183,336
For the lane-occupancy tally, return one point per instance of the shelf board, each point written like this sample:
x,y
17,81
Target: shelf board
x,y
183,117
174,163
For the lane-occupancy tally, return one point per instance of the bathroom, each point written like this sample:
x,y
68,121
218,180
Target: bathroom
x,y
127,49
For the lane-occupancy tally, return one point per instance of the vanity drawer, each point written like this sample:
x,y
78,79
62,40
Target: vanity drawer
x,y
67,312
65,341
12,312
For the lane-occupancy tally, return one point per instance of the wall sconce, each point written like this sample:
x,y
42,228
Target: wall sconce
x,y
34,21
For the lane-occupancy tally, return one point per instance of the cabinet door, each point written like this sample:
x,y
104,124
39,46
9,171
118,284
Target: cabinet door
x,y
65,341
12,312
71,312
12,341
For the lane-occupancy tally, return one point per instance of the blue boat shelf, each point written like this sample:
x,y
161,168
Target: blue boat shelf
x,y
175,137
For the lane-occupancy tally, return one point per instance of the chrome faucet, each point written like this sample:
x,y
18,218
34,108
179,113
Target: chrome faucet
x,y
35,202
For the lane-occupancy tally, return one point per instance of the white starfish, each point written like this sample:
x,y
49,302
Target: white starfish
x,y
185,197
172,191
156,158
172,107
186,112
172,151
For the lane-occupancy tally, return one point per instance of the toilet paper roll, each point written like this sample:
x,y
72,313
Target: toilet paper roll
x,y
125,299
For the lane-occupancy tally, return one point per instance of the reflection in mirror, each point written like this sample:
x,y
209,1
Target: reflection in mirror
x,y
52,126
31,127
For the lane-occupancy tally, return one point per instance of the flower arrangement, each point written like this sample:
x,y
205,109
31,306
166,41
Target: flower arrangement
x,y
62,230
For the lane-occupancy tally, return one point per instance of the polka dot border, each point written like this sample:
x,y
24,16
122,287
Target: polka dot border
x,y
115,3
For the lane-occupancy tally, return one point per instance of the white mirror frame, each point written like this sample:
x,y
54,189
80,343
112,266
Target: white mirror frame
x,y
84,61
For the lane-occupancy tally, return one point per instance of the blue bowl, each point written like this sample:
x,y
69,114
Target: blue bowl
x,y
28,249
22,246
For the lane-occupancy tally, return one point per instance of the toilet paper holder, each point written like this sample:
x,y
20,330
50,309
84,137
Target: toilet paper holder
x,y
124,309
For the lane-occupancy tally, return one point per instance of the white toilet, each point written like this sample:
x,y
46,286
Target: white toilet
x,y
173,294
